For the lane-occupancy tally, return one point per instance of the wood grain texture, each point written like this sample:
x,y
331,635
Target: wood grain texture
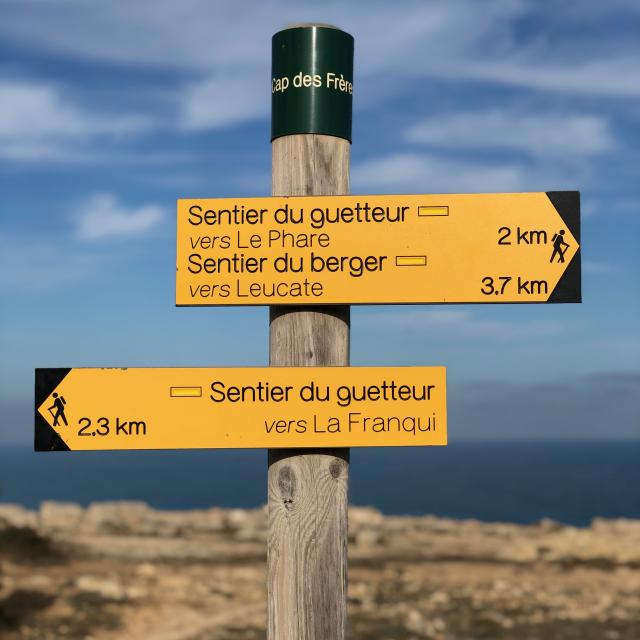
x,y
307,550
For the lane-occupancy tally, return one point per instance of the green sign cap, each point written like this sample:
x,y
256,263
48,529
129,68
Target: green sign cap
x,y
311,81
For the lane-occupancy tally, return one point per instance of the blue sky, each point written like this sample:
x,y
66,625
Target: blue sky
x,y
111,111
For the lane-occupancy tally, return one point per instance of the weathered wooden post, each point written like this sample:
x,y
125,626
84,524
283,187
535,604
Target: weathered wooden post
x,y
307,547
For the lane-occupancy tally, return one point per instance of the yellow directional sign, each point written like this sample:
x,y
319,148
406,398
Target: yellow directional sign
x,y
97,409
508,247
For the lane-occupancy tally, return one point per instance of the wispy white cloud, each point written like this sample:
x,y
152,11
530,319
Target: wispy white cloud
x,y
538,134
224,99
220,53
38,122
30,109
32,263
458,324
187,35
102,217
480,41
614,75
429,173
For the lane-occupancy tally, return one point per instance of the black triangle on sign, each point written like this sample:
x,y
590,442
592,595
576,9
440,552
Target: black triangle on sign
x,y
46,437
569,287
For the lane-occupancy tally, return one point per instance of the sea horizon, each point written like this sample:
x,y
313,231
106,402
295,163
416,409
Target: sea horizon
x,y
508,481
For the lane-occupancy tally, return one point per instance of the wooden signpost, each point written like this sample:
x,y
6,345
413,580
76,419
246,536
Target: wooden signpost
x,y
311,250
308,489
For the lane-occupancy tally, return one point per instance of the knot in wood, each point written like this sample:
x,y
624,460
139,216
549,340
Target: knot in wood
x,y
335,469
287,483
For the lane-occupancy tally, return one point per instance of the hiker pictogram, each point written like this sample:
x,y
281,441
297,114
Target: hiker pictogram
x,y
560,246
57,410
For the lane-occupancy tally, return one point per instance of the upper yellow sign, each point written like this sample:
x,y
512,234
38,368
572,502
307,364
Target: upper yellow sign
x,y
509,247
273,407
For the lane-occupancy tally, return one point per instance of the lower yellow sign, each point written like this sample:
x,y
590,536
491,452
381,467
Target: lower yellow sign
x,y
99,409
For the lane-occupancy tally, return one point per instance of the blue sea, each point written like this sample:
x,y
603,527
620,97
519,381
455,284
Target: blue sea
x,y
522,482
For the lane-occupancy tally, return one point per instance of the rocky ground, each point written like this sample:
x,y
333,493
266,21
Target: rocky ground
x,y
125,571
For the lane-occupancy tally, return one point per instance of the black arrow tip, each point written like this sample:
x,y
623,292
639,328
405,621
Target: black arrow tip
x,y
45,437
569,287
